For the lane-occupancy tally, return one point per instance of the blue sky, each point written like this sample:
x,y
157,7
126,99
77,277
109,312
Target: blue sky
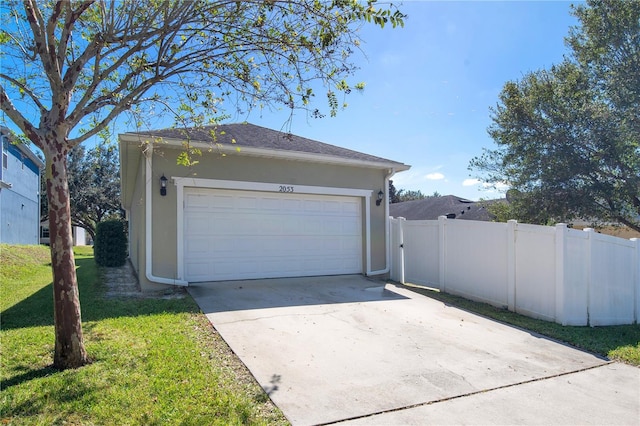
x,y
429,86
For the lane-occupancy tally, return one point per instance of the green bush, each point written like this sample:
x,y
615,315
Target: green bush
x,y
110,247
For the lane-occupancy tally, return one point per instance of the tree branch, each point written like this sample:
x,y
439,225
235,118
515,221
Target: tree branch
x,y
56,70
27,91
20,120
36,22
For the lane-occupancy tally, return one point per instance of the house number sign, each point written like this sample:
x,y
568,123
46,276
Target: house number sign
x,y
285,188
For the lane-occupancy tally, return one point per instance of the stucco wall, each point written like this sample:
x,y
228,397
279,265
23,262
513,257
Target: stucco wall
x,y
135,217
241,168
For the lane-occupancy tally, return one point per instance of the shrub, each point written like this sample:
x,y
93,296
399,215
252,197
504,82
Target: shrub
x,y
110,247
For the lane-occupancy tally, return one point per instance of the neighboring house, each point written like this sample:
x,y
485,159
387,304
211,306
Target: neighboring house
x,y
258,204
19,192
447,205
79,234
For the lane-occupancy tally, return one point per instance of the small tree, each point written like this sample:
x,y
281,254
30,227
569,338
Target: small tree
x,y
69,69
110,246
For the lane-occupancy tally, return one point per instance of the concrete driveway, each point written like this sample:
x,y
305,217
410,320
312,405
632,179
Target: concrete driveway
x,y
348,349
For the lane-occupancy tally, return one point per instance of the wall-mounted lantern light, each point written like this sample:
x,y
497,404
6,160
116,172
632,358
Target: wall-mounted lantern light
x,y
163,185
380,197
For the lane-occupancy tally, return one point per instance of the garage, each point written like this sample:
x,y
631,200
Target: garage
x,y
239,234
253,203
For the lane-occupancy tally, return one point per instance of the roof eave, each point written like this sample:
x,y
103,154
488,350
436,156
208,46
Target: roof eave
x,y
266,153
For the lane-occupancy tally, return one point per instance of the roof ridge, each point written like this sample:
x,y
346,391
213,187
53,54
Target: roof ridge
x,y
251,135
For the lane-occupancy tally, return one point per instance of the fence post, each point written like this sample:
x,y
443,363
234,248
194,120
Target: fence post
x,y
589,274
511,264
442,222
636,291
561,235
393,257
400,242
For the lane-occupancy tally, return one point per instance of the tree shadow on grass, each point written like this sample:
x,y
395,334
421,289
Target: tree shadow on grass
x,y
37,309
57,393
27,375
34,311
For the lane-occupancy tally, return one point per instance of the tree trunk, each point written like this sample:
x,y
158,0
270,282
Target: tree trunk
x,y
633,225
69,341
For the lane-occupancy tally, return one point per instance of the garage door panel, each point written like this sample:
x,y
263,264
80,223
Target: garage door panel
x,y
270,204
351,245
293,207
221,202
231,234
197,268
197,221
247,203
219,226
332,244
312,226
230,268
332,207
218,246
199,245
332,226
196,202
351,209
279,266
312,206
351,227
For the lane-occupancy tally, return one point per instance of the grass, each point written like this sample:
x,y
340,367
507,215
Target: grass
x,y
154,361
619,343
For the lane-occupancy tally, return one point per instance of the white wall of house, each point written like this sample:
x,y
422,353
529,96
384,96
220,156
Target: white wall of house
x,y
79,234
554,273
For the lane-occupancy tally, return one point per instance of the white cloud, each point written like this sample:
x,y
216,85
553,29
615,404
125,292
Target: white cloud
x,y
494,189
502,186
499,186
434,176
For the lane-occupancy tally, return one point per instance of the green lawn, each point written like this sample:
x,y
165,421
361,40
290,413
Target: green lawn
x,y
154,361
620,342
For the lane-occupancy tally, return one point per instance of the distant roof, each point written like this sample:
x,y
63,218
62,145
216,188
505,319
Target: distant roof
x,y
259,140
432,207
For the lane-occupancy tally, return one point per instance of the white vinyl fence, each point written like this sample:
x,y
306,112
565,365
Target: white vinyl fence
x,y
554,273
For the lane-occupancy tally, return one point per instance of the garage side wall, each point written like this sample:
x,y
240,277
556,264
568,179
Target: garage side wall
x,y
136,217
252,169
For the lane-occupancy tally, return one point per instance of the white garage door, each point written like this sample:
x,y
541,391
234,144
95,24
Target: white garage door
x,y
231,234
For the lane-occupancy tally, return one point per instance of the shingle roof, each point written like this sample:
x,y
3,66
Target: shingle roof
x,y
246,135
432,207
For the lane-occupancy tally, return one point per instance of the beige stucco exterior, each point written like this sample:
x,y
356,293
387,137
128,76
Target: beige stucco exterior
x,y
160,158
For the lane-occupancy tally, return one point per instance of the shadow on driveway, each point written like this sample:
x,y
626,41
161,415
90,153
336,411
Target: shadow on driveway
x,y
227,296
